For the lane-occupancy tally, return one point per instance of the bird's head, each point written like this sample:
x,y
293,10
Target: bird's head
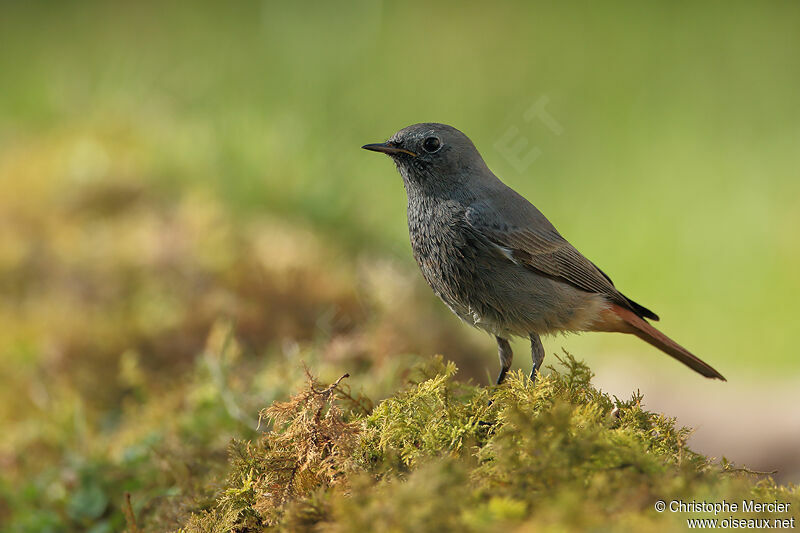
x,y
431,155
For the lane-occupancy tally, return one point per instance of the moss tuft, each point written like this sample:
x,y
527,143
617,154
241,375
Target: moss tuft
x,y
439,456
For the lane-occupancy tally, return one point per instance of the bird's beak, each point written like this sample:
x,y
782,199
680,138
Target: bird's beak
x,y
387,148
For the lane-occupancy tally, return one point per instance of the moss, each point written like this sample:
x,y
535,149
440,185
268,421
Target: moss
x,y
438,456
309,447
434,415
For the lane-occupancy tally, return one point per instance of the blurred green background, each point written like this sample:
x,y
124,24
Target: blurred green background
x,y
155,158
676,170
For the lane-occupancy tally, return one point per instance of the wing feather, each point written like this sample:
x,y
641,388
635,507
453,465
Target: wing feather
x,y
538,246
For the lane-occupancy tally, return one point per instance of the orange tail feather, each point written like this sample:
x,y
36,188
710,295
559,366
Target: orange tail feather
x,y
623,320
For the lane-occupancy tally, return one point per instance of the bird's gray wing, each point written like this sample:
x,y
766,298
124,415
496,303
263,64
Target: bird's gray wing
x,y
523,234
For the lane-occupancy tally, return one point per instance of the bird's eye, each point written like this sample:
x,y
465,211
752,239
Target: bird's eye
x,y
431,144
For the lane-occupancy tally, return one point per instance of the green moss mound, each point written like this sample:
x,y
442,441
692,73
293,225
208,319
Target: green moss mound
x,y
441,455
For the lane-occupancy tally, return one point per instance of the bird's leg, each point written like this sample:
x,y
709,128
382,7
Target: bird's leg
x,y
506,355
537,354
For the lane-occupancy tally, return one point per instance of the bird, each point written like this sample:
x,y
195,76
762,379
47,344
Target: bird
x,y
497,262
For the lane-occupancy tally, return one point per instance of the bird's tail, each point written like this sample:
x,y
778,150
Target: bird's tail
x,y
618,318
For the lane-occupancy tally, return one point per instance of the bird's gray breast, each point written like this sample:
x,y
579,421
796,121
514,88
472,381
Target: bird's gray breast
x,y
454,260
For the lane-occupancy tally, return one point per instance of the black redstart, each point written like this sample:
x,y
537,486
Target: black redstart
x,y
496,261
